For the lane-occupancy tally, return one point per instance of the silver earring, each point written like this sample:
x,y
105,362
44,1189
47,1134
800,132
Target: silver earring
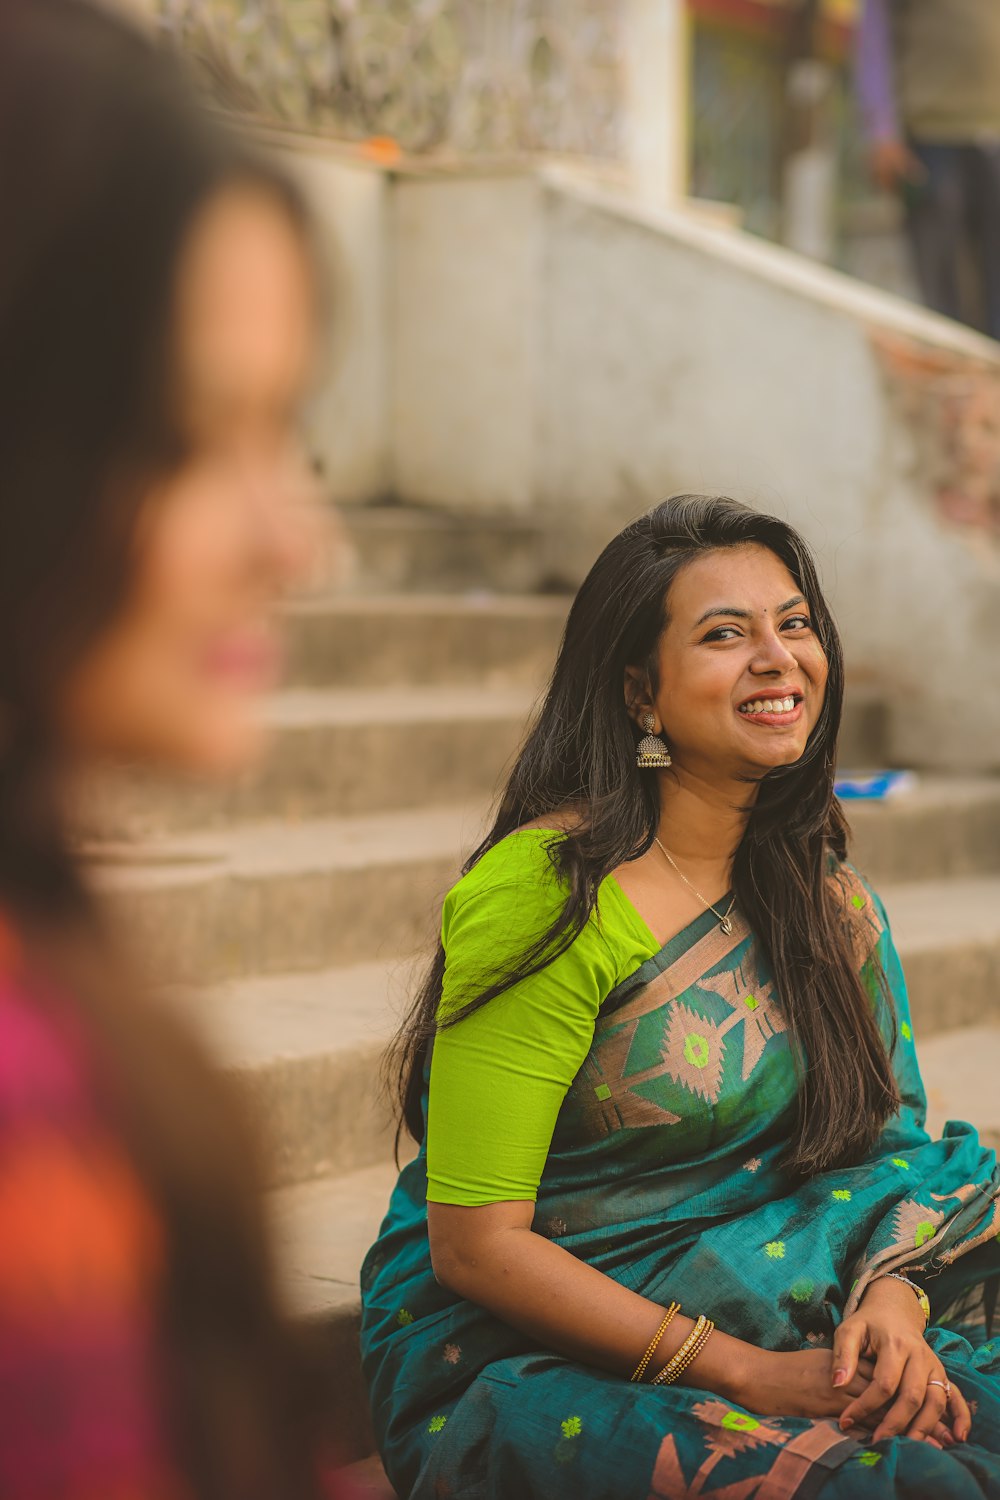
x,y
652,754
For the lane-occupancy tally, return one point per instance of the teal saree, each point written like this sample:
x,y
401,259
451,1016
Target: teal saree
x,y
664,1172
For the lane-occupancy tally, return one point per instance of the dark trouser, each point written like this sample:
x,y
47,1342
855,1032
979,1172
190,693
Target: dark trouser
x,y
954,223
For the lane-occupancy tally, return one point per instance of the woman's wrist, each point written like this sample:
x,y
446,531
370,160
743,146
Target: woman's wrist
x,y
742,1371
923,1301
728,1367
898,1297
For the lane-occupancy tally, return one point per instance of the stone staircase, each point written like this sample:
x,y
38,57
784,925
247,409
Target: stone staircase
x,y
288,910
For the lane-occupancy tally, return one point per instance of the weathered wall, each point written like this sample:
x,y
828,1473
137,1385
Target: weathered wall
x,y
673,366
680,356
347,426
464,351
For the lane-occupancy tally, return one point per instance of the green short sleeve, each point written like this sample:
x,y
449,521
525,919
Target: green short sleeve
x,y
498,1077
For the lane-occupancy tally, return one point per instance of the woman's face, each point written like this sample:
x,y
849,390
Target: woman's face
x,y
742,675
177,677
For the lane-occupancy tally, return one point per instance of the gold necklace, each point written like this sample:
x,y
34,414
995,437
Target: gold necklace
x,y
723,917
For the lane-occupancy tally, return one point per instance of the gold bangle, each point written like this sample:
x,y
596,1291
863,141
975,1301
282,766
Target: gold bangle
x,y
668,1318
687,1353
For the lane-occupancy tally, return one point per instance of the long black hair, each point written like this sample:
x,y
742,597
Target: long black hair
x,y
105,163
580,754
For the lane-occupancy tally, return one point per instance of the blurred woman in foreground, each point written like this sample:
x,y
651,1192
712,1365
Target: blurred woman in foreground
x,y
156,327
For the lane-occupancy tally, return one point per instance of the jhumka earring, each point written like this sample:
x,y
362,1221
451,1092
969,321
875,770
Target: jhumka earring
x,y
652,754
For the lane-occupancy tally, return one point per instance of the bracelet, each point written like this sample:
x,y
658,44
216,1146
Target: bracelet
x,y
918,1292
687,1353
668,1318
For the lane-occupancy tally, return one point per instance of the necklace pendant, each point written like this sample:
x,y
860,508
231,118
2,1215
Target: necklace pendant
x,y
726,926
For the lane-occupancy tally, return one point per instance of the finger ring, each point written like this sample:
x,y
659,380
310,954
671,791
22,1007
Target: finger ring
x,y
945,1386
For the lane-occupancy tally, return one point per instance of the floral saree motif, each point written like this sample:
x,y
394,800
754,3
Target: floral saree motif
x,y
665,1173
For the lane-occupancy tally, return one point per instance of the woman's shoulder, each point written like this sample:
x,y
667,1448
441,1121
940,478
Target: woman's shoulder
x,y
523,864
861,904
517,869
852,884
516,891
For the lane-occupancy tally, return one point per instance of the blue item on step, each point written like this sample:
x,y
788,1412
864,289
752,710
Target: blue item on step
x,y
875,786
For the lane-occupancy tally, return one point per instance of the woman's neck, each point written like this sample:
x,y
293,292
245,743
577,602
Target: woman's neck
x,y
702,822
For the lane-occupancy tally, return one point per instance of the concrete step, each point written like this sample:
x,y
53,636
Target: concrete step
x,y
307,1049
417,549
336,752
322,1231
258,898
377,640
944,826
346,751
382,641
961,1069
268,898
948,935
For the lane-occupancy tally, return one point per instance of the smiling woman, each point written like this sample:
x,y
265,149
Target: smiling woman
x,y
673,1198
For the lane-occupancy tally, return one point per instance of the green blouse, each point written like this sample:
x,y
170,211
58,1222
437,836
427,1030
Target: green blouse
x,y
499,1077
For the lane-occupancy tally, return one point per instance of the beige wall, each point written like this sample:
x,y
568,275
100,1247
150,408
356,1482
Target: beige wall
x,y
678,356
464,340
347,423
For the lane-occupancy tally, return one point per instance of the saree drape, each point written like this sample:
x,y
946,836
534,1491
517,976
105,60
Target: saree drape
x,y
665,1174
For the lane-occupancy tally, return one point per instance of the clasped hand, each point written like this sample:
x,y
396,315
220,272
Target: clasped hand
x,y
877,1376
902,1396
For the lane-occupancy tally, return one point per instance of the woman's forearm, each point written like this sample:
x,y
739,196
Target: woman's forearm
x,y
566,1305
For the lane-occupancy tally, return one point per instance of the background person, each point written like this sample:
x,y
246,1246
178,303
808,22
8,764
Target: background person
x,y
664,1055
157,296
929,85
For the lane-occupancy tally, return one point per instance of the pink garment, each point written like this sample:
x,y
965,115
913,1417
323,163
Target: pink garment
x,y
81,1408
82,1400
